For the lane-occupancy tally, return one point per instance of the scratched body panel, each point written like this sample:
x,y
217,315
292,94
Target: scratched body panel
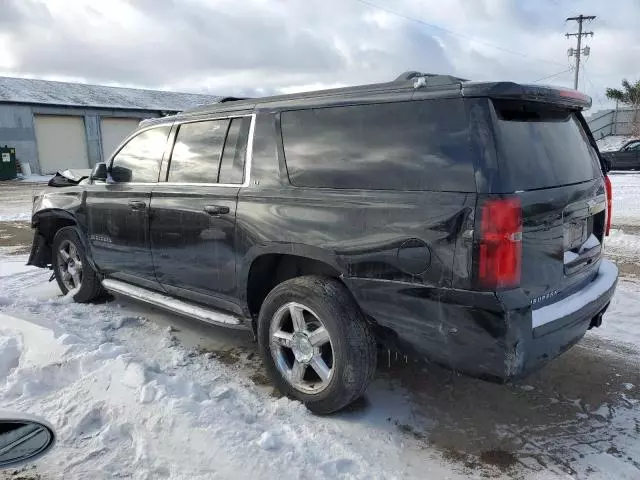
x,y
193,250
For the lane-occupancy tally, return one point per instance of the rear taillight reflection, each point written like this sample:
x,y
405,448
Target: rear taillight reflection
x,y
500,246
607,184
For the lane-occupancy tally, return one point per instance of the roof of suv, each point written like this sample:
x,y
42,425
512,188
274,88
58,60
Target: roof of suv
x,y
436,85
406,81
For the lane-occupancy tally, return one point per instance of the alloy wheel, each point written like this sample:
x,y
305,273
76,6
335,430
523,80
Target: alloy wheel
x,y
301,348
69,265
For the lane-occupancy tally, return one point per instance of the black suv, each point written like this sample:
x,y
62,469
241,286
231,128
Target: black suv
x,y
461,222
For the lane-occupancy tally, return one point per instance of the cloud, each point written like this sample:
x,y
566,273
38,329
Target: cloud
x,y
258,47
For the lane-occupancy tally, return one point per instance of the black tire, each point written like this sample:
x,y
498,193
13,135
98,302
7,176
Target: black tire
x,y
353,344
90,286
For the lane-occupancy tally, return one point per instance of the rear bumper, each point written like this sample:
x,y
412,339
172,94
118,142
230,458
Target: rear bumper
x,y
557,327
483,334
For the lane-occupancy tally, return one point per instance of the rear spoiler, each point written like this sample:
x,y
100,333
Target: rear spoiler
x,y
533,93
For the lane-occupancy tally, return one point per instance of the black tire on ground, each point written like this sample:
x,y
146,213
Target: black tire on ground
x,y
90,285
354,350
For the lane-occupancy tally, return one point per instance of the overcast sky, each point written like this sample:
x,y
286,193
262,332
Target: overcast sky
x,y
258,47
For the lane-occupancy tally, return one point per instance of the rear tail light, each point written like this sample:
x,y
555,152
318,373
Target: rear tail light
x,y
500,245
607,184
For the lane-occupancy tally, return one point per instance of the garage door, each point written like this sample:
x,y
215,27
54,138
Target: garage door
x,y
61,143
114,130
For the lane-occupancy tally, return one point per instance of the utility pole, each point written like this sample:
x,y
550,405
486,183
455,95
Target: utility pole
x,y
579,51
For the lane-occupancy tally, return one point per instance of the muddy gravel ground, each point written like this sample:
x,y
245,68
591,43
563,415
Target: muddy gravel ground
x,y
16,237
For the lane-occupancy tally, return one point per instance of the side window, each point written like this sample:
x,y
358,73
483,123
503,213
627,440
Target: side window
x,y
196,153
235,150
264,162
633,147
415,145
139,160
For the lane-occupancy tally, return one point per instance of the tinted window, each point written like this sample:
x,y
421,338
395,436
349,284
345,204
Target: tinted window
x,y
264,158
196,153
540,146
235,150
139,160
421,145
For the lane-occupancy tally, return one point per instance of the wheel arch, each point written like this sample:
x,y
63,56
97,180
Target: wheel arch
x,y
46,224
267,267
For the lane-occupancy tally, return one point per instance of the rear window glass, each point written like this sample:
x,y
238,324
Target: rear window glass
x,y
419,145
540,146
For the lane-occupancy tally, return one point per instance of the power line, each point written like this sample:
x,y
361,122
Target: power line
x,y
579,51
595,90
553,75
455,34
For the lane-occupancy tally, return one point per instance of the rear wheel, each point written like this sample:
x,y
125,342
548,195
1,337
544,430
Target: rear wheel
x,y
315,343
71,268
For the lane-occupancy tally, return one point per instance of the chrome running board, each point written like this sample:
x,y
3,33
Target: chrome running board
x,y
174,305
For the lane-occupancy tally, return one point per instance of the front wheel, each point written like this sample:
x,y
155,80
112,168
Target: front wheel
x,y
71,268
315,343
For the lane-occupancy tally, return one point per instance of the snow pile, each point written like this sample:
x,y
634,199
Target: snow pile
x,y
34,178
10,214
10,350
128,401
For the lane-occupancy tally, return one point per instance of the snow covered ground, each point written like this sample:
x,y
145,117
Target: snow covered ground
x,y
17,196
626,196
129,400
138,393
612,142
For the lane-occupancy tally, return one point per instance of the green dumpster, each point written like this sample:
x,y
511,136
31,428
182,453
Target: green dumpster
x,y
8,166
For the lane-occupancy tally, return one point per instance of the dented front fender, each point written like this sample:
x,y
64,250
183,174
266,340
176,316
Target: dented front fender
x,y
54,209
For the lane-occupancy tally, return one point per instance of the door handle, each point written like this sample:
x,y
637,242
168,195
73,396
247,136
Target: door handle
x,y
137,205
216,209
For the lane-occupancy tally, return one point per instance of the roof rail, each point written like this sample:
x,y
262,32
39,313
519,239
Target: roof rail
x,y
231,99
420,79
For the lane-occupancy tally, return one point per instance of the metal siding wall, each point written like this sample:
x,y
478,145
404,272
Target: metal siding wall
x,y
94,139
16,130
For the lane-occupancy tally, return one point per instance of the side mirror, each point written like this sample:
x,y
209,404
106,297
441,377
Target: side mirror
x,y
99,172
23,438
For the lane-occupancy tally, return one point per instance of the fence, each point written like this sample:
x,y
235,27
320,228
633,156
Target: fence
x,y
612,122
